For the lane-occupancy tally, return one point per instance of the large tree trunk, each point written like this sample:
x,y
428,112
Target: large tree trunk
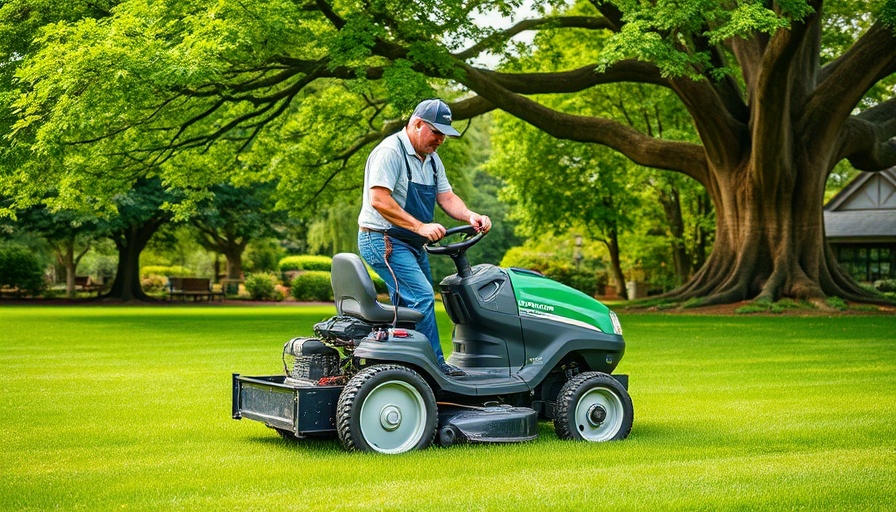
x,y
769,240
130,243
234,254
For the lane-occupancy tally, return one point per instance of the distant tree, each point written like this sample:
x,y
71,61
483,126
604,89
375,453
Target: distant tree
x,y
71,235
556,186
139,216
233,216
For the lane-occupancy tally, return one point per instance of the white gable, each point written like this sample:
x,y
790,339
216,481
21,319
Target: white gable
x,y
877,193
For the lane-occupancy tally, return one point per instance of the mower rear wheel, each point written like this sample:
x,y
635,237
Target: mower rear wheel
x,y
593,406
388,409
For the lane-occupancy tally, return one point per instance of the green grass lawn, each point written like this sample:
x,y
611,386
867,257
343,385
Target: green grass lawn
x,y
128,408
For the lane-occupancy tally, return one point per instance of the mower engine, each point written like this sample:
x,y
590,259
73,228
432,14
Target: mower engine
x,y
316,361
313,362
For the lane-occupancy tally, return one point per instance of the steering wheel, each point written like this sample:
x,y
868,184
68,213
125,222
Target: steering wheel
x,y
458,250
471,239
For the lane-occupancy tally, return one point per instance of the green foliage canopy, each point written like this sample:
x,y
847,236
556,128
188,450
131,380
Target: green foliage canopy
x,y
778,93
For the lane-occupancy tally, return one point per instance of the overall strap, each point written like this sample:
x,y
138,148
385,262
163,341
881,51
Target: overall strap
x,y
432,161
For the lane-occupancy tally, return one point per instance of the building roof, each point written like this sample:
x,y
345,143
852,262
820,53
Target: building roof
x,y
865,210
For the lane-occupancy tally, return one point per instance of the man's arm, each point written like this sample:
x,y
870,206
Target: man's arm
x,y
455,207
381,199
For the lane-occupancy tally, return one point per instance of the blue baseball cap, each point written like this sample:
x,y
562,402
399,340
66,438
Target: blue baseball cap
x,y
436,113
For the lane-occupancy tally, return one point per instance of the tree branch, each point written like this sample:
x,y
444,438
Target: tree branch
x,y
493,40
721,133
676,156
727,88
869,138
612,13
577,79
471,107
331,15
847,79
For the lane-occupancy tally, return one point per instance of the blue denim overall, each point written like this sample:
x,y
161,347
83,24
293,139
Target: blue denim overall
x,y
408,259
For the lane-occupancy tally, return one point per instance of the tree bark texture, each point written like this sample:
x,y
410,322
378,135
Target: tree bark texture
x,y
616,264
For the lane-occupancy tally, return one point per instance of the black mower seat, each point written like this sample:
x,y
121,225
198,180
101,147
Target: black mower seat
x,y
355,295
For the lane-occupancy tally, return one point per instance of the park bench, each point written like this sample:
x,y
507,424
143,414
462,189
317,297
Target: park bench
x,y
86,284
196,287
10,290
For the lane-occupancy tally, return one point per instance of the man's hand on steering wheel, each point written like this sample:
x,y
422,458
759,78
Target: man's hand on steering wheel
x,y
472,236
432,231
481,222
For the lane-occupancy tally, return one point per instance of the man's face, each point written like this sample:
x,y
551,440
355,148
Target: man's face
x,y
428,138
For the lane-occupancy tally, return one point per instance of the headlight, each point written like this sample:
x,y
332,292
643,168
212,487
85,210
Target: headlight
x,y
617,327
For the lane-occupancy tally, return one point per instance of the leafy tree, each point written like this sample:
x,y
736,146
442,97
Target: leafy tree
x,y
139,217
560,185
529,164
70,234
779,92
672,228
335,229
233,217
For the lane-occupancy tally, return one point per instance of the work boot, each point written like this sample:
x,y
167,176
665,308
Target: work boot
x,y
451,370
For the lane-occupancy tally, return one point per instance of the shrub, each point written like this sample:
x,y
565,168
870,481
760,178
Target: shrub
x,y
313,285
165,270
885,285
767,306
306,262
758,306
837,303
581,279
21,269
262,256
154,283
262,286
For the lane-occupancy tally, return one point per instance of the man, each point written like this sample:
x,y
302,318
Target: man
x,y
403,180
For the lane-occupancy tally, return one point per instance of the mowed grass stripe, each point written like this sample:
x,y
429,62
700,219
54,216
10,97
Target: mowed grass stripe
x,y
129,408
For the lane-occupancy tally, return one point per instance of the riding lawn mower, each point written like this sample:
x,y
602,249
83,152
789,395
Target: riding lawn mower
x,y
532,349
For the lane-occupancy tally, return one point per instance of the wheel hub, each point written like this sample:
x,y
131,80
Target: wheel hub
x,y
596,415
390,417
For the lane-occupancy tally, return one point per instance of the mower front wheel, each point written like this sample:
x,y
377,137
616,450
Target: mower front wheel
x,y
388,409
593,406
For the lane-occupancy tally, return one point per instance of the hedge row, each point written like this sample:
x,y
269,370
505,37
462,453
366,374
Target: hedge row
x,y
306,262
313,285
165,270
